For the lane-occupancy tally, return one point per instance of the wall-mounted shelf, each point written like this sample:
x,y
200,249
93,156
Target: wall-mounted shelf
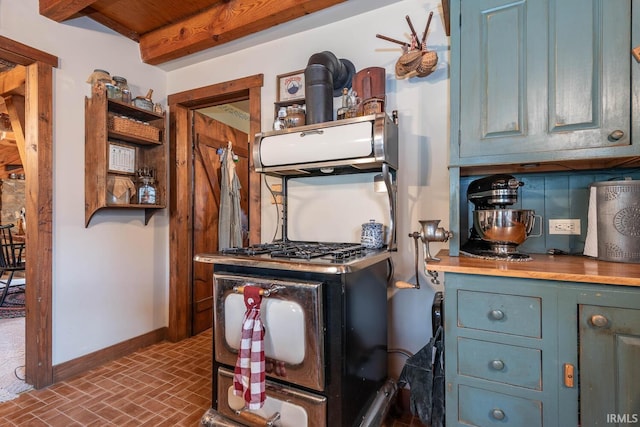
x,y
140,133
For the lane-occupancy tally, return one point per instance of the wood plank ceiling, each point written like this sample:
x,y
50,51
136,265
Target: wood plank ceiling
x,y
171,29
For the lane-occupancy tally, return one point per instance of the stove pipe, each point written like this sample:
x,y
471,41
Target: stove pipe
x,y
324,79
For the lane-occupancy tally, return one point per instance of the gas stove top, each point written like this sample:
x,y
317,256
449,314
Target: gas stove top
x,y
298,255
301,250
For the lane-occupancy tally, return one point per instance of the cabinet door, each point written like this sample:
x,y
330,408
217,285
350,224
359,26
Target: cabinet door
x,y
541,78
609,368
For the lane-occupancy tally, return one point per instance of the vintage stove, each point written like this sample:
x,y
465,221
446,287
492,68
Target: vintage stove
x,y
324,305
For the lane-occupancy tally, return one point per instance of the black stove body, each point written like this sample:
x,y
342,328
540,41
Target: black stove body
x,y
349,352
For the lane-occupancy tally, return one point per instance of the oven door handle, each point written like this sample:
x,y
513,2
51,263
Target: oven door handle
x,y
256,419
263,292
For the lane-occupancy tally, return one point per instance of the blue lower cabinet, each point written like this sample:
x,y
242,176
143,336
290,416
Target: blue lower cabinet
x,y
482,408
527,352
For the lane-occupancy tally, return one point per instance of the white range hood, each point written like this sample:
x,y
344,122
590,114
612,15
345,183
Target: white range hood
x,y
362,143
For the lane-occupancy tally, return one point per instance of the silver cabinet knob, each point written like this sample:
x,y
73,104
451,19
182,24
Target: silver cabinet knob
x,y
599,321
616,135
498,365
498,414
496,314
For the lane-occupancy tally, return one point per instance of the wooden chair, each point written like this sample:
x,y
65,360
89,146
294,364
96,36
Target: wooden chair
x,y
11,258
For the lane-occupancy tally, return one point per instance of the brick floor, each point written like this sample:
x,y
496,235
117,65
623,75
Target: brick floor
x,y
167,384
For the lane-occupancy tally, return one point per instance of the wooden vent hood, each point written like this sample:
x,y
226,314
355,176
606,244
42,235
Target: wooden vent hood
x,y
171,29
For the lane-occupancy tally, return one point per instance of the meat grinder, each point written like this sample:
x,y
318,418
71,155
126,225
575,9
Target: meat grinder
x,y
429,232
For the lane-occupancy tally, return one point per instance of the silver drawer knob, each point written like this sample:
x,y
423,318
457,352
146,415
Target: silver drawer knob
x,y
599,321
498,414
498,365
496,314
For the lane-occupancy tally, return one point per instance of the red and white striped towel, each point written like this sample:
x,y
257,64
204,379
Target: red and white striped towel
x,y
249,373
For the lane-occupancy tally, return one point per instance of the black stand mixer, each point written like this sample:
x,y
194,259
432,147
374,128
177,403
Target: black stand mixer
x,y
497,230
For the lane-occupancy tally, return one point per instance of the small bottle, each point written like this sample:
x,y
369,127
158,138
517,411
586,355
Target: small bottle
x,y
281,121
342,111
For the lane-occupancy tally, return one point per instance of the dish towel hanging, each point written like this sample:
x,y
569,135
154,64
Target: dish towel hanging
x,y
249,373
230,222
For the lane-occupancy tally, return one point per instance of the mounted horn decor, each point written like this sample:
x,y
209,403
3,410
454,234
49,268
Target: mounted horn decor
x,y
416,60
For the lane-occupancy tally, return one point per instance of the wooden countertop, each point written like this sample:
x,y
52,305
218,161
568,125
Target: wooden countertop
x,y
548,267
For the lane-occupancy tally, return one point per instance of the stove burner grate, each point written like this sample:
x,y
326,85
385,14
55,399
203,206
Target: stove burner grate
x,y
301,250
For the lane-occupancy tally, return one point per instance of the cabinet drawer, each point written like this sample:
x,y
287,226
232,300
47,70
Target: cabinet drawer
x,y
483,408
519,366
509,314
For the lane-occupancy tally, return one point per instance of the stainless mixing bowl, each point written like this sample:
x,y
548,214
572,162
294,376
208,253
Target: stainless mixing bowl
x,y
504,226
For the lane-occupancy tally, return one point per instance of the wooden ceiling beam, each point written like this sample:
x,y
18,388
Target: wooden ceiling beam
x,y
15,106
13,80
61,10
222,23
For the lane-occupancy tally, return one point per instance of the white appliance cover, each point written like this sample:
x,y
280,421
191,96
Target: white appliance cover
x,y
284,338
331,143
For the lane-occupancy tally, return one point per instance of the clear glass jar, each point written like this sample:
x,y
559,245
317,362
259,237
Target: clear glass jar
x,y
146,191
122,84
280,122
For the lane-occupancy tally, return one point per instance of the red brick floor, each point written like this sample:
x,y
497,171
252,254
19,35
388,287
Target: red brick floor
x,y
167,384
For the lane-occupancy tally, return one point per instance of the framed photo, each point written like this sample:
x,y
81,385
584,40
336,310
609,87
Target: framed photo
x,y
122,158
291,86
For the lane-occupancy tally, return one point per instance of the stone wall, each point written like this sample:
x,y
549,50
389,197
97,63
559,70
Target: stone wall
x,y
12,200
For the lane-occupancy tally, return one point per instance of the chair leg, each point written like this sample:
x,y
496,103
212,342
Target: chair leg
x,y
5,291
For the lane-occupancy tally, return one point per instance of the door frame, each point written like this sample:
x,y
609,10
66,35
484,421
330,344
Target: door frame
x,y
181,186
38,168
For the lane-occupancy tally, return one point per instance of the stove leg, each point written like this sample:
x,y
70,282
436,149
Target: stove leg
x,y
379,408
213,418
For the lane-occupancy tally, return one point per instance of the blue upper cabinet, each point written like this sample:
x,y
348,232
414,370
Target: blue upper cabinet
x,y
543,81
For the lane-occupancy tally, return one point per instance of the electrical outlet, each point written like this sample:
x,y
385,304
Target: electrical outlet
x,y
564,226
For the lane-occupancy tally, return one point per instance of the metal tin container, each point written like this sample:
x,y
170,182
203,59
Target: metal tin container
x,y
618,219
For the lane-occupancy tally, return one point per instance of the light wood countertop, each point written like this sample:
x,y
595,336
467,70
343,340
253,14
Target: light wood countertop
x,y
547,267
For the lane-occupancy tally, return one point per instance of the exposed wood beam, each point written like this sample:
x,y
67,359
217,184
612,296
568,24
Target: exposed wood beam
x,y
61,10
15,107
13,80
21,54
110,23
222,23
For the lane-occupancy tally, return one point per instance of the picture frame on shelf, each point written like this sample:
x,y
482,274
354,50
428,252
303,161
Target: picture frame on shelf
x,y
290,86
121,158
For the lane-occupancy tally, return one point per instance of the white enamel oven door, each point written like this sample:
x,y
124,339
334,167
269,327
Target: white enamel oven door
x,y
293,324
284,406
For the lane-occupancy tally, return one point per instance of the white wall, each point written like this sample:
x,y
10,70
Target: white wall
x,y
423,106
110,280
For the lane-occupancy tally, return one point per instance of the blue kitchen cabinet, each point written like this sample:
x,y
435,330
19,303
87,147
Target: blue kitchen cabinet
x,y
529,352
541,86
542,80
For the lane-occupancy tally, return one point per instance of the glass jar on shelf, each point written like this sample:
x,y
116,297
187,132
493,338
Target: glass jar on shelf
x,y
146,187
122,84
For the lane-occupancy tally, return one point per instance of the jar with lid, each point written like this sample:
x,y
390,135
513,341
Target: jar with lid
x,y
295,116
281,121
113,92
146,191
122,84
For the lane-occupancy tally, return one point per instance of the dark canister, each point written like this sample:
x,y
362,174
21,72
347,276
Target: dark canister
x,y
318,89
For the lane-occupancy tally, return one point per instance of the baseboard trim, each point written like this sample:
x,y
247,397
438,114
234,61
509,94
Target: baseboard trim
x,y
71,368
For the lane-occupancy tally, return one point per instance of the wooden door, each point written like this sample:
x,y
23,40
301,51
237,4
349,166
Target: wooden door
x,y
210,135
